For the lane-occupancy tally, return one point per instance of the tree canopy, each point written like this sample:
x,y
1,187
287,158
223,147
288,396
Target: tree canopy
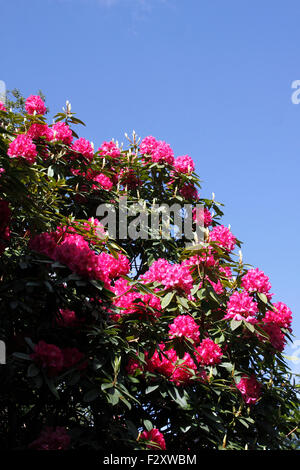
x,y
134,334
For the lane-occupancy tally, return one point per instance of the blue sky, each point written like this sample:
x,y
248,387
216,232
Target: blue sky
x,y
212,78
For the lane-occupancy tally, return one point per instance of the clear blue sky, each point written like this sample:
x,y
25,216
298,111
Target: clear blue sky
x,y
211,77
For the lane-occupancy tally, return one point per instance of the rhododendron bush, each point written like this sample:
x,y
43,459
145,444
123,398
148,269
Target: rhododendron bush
x,y
127,341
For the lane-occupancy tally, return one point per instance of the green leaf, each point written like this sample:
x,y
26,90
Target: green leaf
x,y
234,324
244,423
228,366
167,299
32,370
30,343
113,396
18,355
91,395
151,388
201,294
183,301
249,326
148,425
51,386
262,297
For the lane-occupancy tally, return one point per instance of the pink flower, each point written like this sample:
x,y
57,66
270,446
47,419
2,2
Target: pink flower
x,y
44,243
209,352
223,236
73,357
250,389
184,164
83,147
62,132
37,131
34,103
148,145
217,286
109,149
189,192
75,253
102,180
180,372
276,336
22,147
158,150
225,271
172,276
67,318
2,107
241,306
129,179
256,281
202,216
207,259
52,439
2,171
156,437
132,366
49,357
281,315
130,301
94,227
184,326
114,267
72,250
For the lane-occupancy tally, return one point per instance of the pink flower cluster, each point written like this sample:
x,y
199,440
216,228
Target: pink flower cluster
x,y
155,436
22,147
209,352
281,315
275,335
184,164
241,306
223,236
184,326
273,322
37,130
67,318
83,147
114,267
53,360
52,439
189,192
250,389
130,301
206,258
103,181
202,217
256,281
171,276
73,250
2,106
167,363
225,271
158,150
109,149
62,132
35,104
129,179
